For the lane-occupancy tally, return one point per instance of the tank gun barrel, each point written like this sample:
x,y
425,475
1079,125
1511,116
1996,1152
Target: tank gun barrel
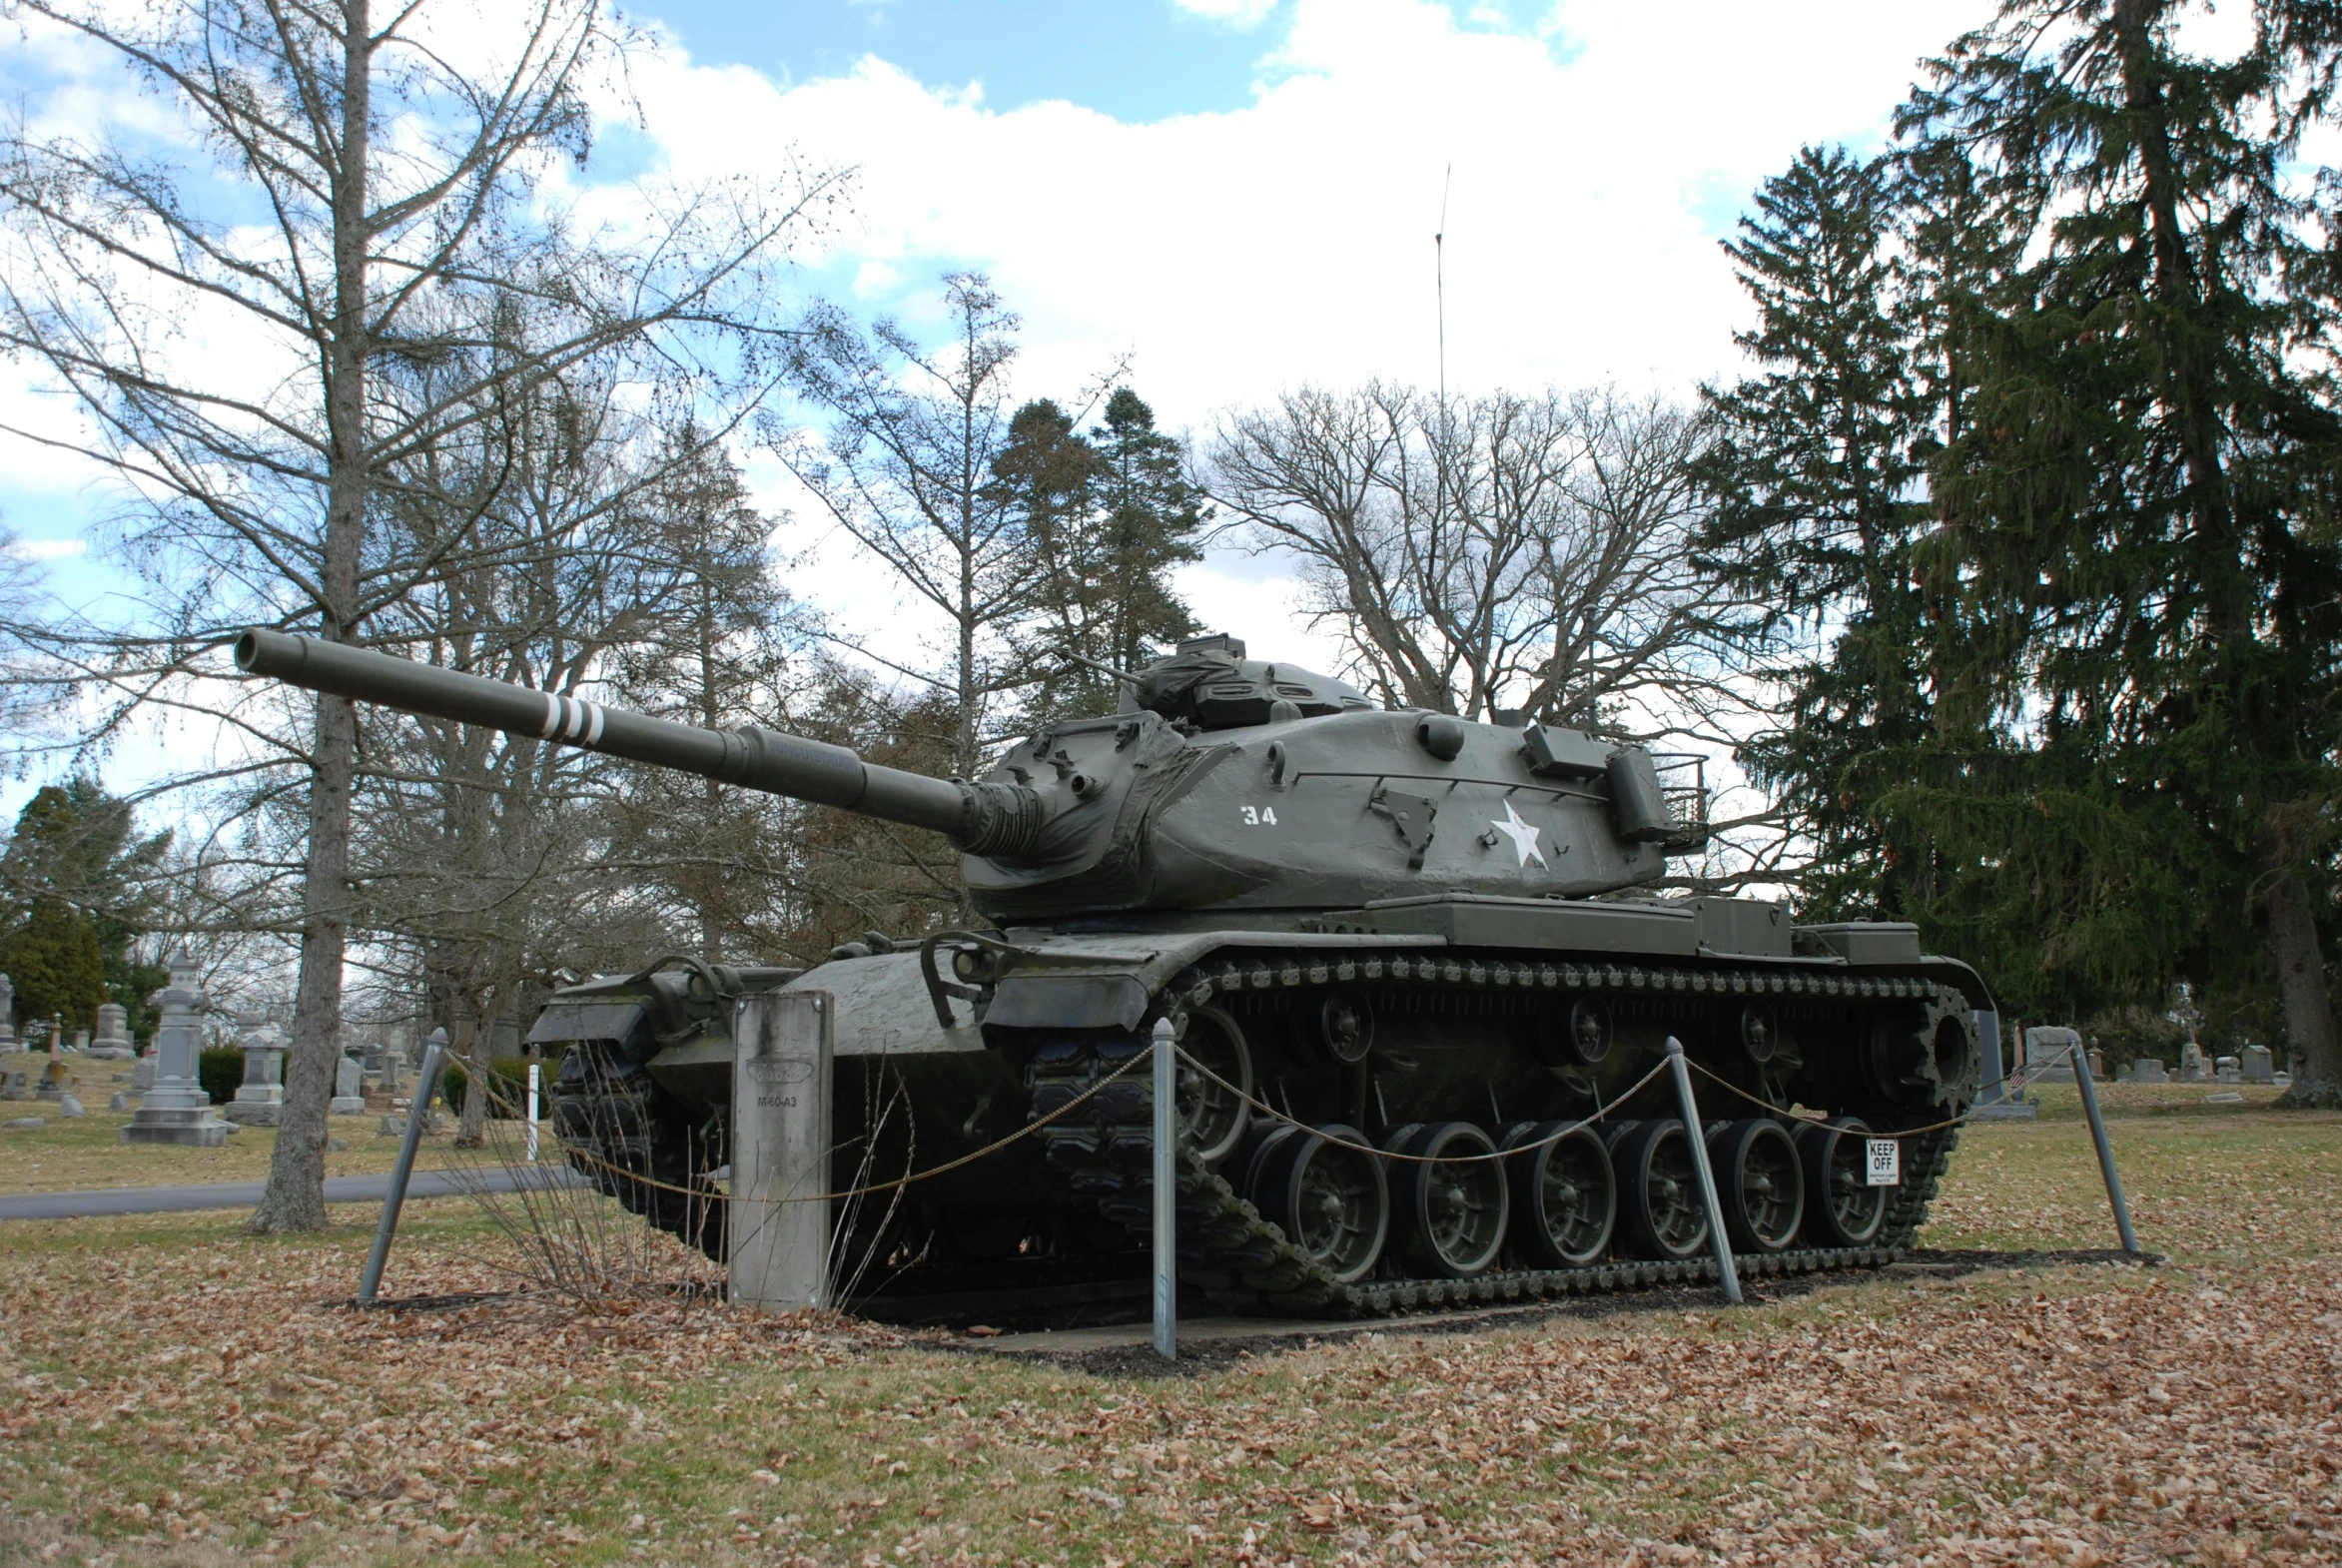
x,y
984,819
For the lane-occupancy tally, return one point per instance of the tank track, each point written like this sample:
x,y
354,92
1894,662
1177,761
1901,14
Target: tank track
x,y
629,1141
1243,1264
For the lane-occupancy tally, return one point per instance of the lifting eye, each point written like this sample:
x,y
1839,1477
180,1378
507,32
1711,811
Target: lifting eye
x,y
1440,735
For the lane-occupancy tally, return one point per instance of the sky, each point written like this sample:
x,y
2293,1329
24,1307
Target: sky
x,y
1238,196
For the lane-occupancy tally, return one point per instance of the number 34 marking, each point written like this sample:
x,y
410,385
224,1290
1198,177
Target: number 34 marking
x,y
1260,816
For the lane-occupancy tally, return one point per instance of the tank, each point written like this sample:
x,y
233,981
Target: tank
x,y
1407,956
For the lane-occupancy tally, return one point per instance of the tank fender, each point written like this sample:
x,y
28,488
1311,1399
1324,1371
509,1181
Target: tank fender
x,y
1961,978
1110,982
882,1008
1048,1001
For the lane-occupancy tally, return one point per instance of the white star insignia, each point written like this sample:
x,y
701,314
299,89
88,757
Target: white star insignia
x,y
1522,834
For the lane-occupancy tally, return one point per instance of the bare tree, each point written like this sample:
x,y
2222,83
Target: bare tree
x,y
907,471
1505,553
1491,552
355,186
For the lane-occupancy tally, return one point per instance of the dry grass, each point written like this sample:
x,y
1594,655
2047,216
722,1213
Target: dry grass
x,y
64,1156
173,1391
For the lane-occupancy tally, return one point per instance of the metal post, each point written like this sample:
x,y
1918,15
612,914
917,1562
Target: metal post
x,y
418,1110
535,1077
1166,1196
2089,1107
1699,1138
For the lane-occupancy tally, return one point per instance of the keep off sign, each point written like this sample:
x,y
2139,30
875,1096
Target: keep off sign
x,y
1886,1162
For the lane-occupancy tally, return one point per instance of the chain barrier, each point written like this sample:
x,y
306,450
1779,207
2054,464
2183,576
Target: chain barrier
x,y
1275,1115
1817,1119
1262,1108
1024,1131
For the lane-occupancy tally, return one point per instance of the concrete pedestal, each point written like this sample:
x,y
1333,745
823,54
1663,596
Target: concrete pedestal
x,y
779,1243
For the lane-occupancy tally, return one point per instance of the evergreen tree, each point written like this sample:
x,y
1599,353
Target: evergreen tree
x,y
52,957
1106,517
2140,496
1811,472
1148,516
75,859
1041,477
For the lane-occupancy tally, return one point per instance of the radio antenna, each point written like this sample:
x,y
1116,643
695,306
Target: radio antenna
x,y
1439,279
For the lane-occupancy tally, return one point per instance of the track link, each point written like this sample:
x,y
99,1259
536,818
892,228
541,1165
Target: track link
x,y
1243,1264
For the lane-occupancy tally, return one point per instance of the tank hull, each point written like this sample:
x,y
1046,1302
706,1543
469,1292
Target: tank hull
x,y
1476,1017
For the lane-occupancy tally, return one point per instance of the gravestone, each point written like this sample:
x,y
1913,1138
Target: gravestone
x,y
2097,1065
54,1077
2193,1068
14,1085
777,1234
2228,1069
2260,1065
2047,1057
260,1100
119,1102
112,1043
81,1043
1993,1101
8,1039
142,1074
348,1088
68,1105
176,1109
2149,1069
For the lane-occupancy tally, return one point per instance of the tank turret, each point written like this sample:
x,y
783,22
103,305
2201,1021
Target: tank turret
x,y
1224,781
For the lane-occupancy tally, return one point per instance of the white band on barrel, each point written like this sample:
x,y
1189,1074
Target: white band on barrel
x,y
572,718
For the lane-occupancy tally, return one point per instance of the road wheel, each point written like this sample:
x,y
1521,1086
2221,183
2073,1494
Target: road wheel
x,y
1564,1197
1841,1208
1760,1181
1451,1212
1658,1192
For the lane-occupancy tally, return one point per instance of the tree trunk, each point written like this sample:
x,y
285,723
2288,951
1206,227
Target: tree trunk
x,y
479,1035
296,1194
2301,983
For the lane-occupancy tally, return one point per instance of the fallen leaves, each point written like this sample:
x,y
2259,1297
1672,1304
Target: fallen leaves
x,y
189,1390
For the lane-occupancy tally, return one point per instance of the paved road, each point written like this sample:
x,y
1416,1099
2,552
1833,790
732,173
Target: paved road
x,y
245,1195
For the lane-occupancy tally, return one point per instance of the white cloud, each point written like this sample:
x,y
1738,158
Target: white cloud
x,y
1235,13
1290,239
1594,157
1595,160
49,549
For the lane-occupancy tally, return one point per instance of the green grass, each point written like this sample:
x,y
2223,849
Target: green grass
x,y
78,1153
